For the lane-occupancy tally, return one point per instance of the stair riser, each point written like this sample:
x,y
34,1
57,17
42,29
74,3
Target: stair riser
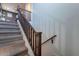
x,y
12,43
12,24
10,37
8,34
8,21
9,40
17,29
12,49
7,26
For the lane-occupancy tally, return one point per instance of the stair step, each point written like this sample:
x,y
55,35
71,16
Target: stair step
x,y
11,43
10,23
12,48
9,40
10,37
6,23
7,32
8,27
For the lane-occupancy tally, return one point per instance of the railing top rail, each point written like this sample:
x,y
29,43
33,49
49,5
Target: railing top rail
x,y
9,11
27,21
25,10
48,39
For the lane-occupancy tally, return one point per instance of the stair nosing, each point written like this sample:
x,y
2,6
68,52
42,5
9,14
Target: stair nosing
x,y
10,37
9,21
9,44
9,27
10,31
9,24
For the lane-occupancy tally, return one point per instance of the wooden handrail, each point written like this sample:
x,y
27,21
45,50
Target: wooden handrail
x,y
26,19
25,10
52,38
49,39
9,11
33,36
26,14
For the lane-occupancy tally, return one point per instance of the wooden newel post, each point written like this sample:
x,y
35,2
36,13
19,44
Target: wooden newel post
x,y
39,36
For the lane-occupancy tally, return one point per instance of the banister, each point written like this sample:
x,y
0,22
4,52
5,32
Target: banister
x,y
49,39
29,24
9,11
27,21
33,36
25,10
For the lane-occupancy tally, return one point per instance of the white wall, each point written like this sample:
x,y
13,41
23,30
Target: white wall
x,y
59,19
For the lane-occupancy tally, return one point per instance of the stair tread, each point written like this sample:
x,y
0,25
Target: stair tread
x,y
10,31
12,48
11,43
9,40
5,23
8,21
8,26
10,37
